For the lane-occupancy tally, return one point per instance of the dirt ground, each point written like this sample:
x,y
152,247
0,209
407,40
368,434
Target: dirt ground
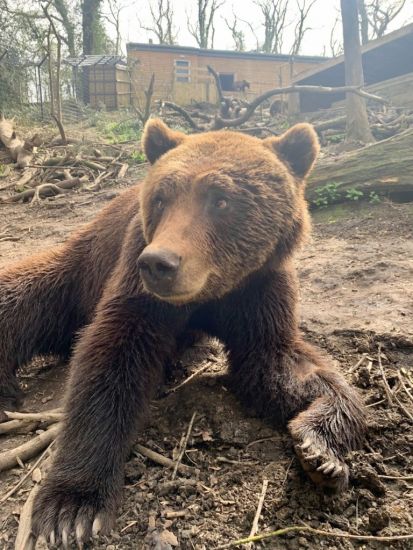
x,y
357,294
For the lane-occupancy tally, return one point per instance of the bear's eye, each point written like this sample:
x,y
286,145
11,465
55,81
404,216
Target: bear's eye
x,y
159,203
221,204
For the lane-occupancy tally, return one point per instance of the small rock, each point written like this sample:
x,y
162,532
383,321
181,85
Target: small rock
x,y
378,519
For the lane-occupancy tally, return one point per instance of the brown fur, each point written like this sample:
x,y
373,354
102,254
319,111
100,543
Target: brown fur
x,y
204,244
241,85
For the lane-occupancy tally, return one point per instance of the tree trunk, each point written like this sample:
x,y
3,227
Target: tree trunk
x,y
384,168
357,122
364,22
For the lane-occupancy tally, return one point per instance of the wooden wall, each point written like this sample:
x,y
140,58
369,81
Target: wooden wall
x,y
109,85
261,74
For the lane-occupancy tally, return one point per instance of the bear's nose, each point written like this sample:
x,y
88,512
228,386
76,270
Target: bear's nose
x,y
159,266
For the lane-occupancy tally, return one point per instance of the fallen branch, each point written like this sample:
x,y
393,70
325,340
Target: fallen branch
x,y
184,113
183,447
17,426
19,150
24,538
250,108
383,168
318,532
389,393
26,451
26,475
218,86
46,190
254,528
162,460
53,415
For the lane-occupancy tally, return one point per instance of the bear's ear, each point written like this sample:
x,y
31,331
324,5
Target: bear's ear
x,y
298,148
158,139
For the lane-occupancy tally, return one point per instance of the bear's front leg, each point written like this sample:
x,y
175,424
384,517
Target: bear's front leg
x,y
273,370
115,368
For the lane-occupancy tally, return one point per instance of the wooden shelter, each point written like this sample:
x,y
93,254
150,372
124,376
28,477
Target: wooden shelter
x,y
181,73
106,80
387,67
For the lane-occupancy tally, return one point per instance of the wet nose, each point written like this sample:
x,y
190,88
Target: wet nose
x,y
159,265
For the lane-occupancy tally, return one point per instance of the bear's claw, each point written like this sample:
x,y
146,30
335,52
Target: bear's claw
x,y
321,464
60,516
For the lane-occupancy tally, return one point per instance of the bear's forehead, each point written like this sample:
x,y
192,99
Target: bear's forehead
x,y
226,153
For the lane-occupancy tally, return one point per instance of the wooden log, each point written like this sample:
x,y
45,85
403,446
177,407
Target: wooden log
x,y
385,168
21,151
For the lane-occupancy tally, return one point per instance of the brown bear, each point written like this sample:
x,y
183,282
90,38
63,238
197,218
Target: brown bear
x,y
205,244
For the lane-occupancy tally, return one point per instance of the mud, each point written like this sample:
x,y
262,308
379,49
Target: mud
x,y
357,294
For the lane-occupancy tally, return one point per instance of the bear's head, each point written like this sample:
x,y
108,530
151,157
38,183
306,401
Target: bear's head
x,y
219,206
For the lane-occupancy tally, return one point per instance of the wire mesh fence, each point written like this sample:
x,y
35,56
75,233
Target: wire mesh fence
x,y
25,88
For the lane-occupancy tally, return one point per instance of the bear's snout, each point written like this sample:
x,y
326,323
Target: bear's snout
x,y
159,268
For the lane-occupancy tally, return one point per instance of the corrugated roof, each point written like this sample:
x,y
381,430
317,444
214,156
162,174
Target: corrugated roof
x,y
93,60
222,53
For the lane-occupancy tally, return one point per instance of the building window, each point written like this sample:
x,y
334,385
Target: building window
x,y
227,81
182,70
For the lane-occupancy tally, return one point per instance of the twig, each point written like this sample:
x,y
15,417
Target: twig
x,y
319,532
184,113
17,426
53,415
401,478
254,528
28,450
172,514
12,238
389,393
359,362
162,460
183,447
193,375
386,384
29,472
409,395
24,538
217,84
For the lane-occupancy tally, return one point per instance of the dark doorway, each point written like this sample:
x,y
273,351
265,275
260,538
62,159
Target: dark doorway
x,y
227,81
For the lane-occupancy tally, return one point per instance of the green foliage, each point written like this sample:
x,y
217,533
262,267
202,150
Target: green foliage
x,y
354,194
117,132
326,195
336,138
374,197
137,157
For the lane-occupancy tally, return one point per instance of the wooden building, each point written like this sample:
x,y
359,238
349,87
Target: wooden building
x,y
105,80
181,73
387,67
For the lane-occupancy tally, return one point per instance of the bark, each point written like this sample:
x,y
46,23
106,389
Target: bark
x,y
90,14
364,22
384,168
21,151
357,121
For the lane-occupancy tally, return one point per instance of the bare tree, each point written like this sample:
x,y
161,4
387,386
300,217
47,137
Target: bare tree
x,y
238,35
376,16
274,13
162,24
303,8
113,16
336,44
204,30
364,21
358,128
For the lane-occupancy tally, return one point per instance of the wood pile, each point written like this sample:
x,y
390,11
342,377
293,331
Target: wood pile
x,y
56,169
